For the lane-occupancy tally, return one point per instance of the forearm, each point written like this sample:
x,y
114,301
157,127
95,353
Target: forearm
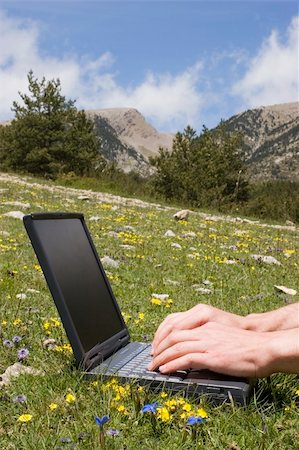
x,y
284,318
284,351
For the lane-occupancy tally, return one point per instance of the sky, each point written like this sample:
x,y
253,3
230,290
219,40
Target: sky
x,y
177,62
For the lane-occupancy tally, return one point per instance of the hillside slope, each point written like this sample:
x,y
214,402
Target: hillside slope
x,y
271,140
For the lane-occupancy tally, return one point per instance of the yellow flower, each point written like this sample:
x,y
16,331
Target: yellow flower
x,y
163,414
53,406
121,408
70,398
4,322
17,322
297,392
164,394
25,418
141,316
156,301
201,413
187,407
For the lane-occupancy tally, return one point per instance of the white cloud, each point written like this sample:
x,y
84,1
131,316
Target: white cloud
x,y
272,75
170,101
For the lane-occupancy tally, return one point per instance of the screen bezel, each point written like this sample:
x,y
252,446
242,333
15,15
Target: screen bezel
x,y
86,359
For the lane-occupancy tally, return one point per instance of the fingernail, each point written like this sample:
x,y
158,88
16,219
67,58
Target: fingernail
x,y
150,367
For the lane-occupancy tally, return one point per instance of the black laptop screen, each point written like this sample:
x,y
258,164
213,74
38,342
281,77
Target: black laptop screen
x,y
80,279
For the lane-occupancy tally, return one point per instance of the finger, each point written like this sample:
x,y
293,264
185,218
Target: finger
x,y
177,337
166,326
176,351
179,321
192,360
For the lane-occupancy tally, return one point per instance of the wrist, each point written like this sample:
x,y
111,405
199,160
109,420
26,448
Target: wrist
x,y
284,351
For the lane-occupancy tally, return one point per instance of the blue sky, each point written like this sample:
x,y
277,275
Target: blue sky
x,y
177,62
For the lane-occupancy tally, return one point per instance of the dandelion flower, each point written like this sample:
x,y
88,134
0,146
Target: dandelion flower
x,y
70,398
53,406
25,418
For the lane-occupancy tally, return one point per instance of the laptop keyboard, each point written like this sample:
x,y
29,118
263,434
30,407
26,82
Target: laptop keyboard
x,y
132,361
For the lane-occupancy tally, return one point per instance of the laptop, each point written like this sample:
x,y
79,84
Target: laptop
x,y
92,318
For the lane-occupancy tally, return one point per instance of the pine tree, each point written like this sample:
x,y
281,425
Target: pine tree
x,y
48,135
206,170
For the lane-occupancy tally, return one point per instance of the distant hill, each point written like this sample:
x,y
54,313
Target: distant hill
x,y
127,138
271,140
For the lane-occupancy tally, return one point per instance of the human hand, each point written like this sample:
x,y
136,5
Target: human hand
x,y
220,348
193,318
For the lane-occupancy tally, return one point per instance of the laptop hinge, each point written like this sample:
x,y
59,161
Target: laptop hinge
x,y
101,352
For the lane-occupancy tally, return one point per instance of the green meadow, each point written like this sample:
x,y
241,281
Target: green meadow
x,y
208,260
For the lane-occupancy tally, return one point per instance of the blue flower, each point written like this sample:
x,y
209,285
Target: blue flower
x,y
7,343
193,420
113,432
101,421
150,407
23,353
16,339
20,398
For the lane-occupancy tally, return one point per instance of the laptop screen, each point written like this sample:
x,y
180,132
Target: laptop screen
x,y
80,279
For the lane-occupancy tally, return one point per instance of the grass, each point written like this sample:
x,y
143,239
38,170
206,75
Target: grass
x,y
61,405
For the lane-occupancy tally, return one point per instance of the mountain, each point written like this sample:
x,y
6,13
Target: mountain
x,y
127,139
271,140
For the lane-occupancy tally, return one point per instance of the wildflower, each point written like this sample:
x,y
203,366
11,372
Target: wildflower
x,y
113,432
25,418
16,339
150,407
156,301
163,414
53,406
70,398
187,407
101,421
164,394
21,296
202,413
17,322
7,343
193,420
23,353
4,322
20,399
297,392
121,409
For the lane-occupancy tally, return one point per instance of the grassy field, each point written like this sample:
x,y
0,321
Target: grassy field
x,y
56,408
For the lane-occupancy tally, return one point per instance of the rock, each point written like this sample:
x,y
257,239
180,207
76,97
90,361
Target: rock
x,y
83,197
176,245
202,290
109,262
289,223
94,218
189,234
285,290
266,259
169,233
127,246
182,215
19,204
161,296
15,370
230,261
15,214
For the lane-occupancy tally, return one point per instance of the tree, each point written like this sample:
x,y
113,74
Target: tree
x,y
205,170
48,135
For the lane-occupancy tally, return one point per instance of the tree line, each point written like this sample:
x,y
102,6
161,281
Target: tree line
x,y
50,137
